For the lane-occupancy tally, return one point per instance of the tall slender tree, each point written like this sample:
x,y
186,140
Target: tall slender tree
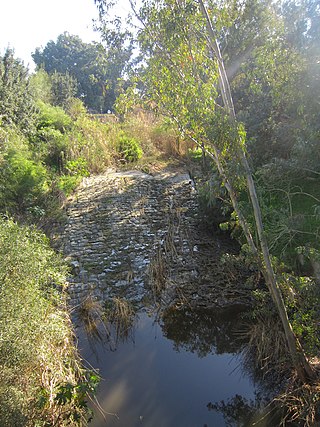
x,y
184,73
300,362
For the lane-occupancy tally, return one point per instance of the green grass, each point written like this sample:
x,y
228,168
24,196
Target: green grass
x,y
38,358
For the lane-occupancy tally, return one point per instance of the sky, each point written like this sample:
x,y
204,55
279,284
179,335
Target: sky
x,y
28,24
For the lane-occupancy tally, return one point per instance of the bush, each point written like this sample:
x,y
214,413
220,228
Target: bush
x,y
51,145
76,108
53,117
77,167
68,183
23,182
129,149
51,139
92,141
37,354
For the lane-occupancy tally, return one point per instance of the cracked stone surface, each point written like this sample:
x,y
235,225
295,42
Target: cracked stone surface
x,y
136,236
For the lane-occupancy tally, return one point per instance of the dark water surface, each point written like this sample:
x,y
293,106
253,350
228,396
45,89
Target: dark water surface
x,y
166,373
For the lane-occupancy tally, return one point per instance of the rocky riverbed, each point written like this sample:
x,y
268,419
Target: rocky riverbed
x,y
140,237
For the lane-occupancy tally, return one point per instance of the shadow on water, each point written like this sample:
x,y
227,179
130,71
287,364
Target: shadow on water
x,y
183,369
220,332
204,331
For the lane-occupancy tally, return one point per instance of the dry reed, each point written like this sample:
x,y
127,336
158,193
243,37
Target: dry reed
x,y
157,273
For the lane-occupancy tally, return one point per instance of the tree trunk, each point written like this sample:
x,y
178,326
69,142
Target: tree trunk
x,y
301,364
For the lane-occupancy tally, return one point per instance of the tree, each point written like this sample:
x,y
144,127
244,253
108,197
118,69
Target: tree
x,y
302,28
16,101
300,363
41,86
281,122
302,21
184,74
95,68
269,51
56,89
264,69
64,88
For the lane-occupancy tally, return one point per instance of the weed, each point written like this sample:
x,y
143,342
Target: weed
x,y
67,183
90,315
300,403
129,149
23,181
121,315
267,351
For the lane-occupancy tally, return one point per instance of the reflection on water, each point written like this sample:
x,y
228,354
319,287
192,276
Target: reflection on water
x,y
241,412
109,324
204,332
170,372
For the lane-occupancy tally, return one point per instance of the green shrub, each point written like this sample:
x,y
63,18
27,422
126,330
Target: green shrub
x,y
53,117
40,86
68,183
76,108
51,139
51,145
76,170
77,167
37,355
23,182
290,199
129,149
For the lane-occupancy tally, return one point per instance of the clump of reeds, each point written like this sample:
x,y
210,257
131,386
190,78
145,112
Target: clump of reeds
x,y
157,135
157,273
300,404
121,314
267,352
90,315
267,347
169,243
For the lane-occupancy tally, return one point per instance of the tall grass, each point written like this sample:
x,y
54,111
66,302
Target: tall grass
x,y
38,358
157,136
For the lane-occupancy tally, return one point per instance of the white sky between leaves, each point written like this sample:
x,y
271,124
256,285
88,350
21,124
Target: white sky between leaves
x,y
28,24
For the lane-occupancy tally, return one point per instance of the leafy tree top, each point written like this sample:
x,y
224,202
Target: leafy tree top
x,y
95,68
17,106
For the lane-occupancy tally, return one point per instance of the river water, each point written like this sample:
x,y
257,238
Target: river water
x,y
140,239
170,372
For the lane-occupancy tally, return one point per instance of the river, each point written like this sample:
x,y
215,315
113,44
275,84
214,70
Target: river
x,y
140,240
171,372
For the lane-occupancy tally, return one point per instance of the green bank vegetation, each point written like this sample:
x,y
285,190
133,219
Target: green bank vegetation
x,y
42,381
